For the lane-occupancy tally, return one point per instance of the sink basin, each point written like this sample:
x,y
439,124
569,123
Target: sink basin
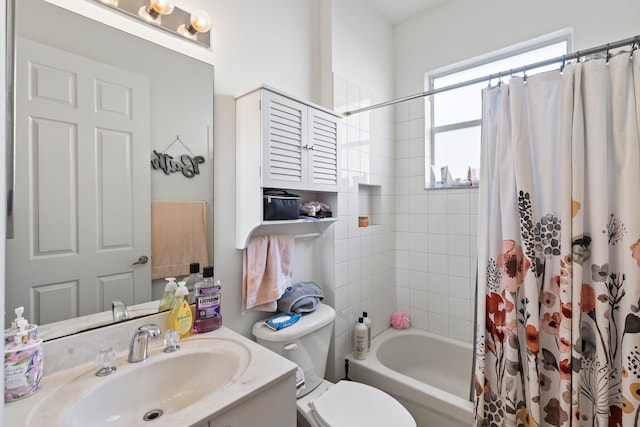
x,y
164,387
153,389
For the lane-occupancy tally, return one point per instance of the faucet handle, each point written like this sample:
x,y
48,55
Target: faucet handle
x,y
171,339
151,329
104,361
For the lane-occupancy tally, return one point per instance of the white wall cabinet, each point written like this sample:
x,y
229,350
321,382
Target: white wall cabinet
x,y
284,143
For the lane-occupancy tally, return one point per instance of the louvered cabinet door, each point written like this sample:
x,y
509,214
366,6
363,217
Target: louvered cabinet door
x,y
284,159
322,149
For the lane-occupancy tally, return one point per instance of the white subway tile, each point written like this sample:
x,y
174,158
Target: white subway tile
x,y
438,324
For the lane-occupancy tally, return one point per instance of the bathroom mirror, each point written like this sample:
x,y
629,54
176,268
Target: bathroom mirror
x,y
176,111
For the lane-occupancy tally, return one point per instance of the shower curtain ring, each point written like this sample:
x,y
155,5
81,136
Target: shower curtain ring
x,y
489,85
524,76
607,55
564,61
634,45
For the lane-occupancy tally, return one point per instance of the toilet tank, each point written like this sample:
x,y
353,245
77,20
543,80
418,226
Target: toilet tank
x,y
305,343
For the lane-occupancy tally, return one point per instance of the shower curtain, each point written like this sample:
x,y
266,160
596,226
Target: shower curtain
x,y
558,309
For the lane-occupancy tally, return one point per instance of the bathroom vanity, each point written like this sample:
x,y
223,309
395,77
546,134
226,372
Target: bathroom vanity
x,y
216,379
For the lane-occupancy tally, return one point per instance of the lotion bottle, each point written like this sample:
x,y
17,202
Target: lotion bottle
x,y
166,303
367,323
181,318
360,340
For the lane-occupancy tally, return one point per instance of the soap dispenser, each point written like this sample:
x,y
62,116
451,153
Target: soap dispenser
x,y
166,303
22,364
180,317
10,333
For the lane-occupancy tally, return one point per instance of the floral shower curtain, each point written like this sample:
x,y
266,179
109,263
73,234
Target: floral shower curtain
x,y
558,323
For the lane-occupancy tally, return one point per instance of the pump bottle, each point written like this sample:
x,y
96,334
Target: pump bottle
x,y
180,317
166,303
360,340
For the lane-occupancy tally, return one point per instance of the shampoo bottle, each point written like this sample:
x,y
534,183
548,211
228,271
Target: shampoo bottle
x,y
166,303
367,323
190,281
208,317
360,340
180,318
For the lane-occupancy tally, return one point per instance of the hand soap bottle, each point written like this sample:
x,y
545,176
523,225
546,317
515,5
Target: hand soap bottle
x,y
180,317
10,333
166,303
22,365
208,317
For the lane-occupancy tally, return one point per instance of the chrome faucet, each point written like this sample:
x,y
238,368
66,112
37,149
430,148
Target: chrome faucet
x,y
140,341
119,311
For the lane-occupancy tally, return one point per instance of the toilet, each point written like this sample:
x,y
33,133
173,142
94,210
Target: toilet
x,y
321,403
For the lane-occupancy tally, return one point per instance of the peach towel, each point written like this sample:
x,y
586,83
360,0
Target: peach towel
x,y
267,265
178,237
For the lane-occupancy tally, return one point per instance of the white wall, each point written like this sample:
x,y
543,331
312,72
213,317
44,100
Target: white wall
x,y
254,42
460,29
437,230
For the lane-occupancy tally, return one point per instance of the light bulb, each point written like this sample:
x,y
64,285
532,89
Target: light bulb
x,y
154,10
110,2
163,7
198,23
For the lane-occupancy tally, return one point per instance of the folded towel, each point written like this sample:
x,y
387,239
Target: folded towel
x,y
267,265
302,297
178,237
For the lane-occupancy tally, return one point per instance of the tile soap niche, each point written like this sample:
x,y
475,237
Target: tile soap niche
x,y
369,205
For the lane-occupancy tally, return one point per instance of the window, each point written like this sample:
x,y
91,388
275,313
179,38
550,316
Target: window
x,y
454,118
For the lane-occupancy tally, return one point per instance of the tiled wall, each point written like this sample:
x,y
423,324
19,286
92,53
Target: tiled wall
x,y
419,253
436,237
364,257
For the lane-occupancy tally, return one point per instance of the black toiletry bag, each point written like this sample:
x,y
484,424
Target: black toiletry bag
x,y
279,205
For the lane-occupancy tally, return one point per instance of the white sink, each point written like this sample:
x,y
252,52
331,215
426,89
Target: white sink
x,y
153,389
159,388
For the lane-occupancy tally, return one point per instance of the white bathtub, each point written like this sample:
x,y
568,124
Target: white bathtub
x,y
429,374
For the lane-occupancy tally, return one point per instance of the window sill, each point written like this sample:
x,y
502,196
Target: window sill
x,y
453,187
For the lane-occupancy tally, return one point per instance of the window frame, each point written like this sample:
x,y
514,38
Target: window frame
x,y
564,35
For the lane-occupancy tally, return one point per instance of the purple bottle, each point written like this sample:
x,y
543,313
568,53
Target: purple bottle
x,y
207,316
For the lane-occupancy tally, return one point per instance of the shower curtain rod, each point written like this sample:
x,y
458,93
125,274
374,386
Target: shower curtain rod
x,y
634,42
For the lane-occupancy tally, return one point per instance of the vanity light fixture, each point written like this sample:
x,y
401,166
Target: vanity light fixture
x,y
153,11
164,15
199,22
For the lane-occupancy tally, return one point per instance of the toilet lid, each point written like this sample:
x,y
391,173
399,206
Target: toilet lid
x,y
352,404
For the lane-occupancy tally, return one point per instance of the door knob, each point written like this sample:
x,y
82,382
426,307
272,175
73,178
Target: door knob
x,y
142,260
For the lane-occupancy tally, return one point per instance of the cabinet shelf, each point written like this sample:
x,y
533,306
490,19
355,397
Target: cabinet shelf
x,y
295,227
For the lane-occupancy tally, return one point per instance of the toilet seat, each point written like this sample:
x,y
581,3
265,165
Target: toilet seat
x,y
352,404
